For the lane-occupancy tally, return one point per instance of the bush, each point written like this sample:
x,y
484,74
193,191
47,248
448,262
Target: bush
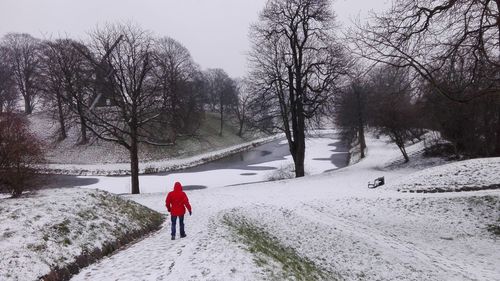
x,y
19,151
283,173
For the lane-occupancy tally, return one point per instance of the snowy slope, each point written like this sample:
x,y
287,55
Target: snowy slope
x,y
51,228
333,220
98,152
463,175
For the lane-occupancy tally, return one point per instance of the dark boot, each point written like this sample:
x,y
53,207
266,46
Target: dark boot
x,y
173,237
183,235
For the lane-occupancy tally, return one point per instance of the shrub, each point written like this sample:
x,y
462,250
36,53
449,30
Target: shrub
x,y
19,152
283,173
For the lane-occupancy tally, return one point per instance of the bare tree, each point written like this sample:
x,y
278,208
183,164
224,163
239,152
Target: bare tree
x,y
8,93
351,111
428,36
296,64
68,74
470,127
125,82
23,56
175,71
52,87
243,102
222,91
392,111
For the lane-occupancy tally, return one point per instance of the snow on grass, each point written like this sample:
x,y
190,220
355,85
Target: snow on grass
x,y
283,263
97,152
429,238
471,174
50,229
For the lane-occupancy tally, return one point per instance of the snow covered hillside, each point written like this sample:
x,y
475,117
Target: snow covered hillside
x,y
323,227
466,175
98,152
57,231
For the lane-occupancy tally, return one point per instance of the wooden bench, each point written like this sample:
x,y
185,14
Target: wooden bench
x,y
377,182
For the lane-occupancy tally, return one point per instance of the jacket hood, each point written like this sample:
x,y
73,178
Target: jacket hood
x,y
177,186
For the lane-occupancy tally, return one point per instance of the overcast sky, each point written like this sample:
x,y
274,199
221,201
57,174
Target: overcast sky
x,y
215,31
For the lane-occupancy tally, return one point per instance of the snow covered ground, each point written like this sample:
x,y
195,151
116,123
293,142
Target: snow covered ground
x,y
347,232
469,174
53,227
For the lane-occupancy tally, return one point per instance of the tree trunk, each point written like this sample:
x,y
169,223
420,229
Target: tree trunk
x,y
83,123
497,144
83,130
221,118
361,127
299,157
362,141
300,142
27,105
61,117
134,162
240,132
403,151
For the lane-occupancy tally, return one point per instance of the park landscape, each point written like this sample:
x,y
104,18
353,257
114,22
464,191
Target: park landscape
x,y
370,152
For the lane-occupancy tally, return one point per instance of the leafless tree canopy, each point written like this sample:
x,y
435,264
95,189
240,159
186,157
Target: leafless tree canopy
x,y
429,35
23,57
68,77
296,64
453,45
221,90
351,112
175,74
123,60
8,93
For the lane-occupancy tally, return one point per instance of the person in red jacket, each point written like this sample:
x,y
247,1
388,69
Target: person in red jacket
x,y
176,203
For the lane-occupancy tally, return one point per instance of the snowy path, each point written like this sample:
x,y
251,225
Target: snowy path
x,y
332,218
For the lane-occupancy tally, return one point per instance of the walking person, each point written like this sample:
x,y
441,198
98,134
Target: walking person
x,y
176,203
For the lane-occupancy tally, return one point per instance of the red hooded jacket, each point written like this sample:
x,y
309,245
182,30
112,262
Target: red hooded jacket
x,y
177,201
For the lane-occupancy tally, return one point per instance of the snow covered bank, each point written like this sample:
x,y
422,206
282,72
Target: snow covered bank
x,y
153,166
53,233
468,175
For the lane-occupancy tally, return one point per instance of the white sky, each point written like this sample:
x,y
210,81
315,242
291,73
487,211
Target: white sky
x,y
215,31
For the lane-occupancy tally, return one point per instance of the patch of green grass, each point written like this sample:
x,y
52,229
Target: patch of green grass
x,y
140,214
265,248
66,241
62,228
87,215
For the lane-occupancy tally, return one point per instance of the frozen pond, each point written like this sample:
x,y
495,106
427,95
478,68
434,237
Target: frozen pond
x,y
325,153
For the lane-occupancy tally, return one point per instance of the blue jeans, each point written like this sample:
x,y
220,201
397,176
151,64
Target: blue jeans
x,y
181,224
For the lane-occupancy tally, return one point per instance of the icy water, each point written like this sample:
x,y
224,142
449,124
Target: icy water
x,y
325,153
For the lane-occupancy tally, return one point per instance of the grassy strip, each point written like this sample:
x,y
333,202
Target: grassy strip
x,y
265,247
